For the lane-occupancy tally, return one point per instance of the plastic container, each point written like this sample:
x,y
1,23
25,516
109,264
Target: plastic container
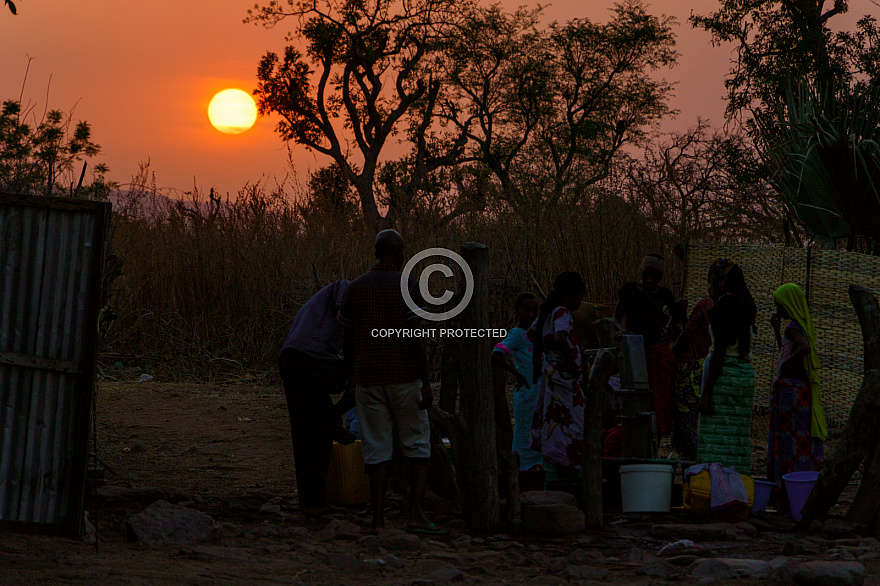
x,y
697,498
347,482
763,491
799,485
646,488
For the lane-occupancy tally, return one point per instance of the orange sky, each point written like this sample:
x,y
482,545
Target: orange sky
x,y
142,73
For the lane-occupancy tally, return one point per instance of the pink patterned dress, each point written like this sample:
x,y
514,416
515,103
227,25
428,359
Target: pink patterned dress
x,y
558,425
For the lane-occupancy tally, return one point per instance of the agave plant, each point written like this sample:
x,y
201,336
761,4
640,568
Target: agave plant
x,y
824,157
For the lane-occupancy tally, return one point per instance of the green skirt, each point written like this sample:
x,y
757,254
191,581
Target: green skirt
x,y
725,437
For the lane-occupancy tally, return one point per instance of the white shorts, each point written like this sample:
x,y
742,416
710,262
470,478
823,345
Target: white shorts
x,y
380,409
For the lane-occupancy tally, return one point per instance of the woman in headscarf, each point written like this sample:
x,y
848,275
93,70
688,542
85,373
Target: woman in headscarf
x,y
644,308
797,416
558,425
728,376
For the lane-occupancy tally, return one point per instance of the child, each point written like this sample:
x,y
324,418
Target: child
x,y
519,347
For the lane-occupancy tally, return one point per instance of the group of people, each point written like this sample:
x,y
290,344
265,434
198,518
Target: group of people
x,y
699,369
385,379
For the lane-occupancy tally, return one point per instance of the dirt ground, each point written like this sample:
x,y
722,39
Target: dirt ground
x,y
225,450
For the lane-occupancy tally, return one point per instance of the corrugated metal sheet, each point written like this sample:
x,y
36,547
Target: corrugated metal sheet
x,y
51,261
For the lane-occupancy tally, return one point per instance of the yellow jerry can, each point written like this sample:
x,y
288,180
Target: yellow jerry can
x,y
697,493
347,483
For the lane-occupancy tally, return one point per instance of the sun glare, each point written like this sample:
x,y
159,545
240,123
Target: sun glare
x,y
232,111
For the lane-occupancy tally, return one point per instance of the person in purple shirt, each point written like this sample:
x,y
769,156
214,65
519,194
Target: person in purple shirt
x,y
312,370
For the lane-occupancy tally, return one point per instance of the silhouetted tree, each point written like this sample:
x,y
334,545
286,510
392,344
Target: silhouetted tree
x,y
362,75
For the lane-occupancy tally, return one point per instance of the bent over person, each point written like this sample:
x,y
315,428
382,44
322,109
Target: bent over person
x,y
391,376
312,370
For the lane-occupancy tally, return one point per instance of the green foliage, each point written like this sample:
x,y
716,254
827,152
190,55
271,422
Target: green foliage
x,y
781,41
549,111
824,153
41,158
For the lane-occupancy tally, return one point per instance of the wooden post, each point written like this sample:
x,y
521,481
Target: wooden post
x,y
477,469
861,432
594,393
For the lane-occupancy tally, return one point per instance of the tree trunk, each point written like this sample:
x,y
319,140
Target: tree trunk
x,y
603,368
449,374
476,462
861,431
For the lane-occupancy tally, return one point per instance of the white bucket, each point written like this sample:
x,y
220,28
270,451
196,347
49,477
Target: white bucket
x,y
646,488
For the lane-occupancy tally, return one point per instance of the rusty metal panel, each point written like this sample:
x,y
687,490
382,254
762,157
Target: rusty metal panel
x,y
51,261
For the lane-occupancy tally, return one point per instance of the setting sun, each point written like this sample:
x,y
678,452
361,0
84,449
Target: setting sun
x,y
232,111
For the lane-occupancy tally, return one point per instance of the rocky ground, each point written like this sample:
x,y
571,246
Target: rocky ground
x,y
209,469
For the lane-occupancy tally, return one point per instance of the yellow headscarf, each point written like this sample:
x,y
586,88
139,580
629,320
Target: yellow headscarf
x,y
793,300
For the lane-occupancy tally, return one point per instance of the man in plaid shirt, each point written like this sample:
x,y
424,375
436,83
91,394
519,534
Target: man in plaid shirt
x,y
391,377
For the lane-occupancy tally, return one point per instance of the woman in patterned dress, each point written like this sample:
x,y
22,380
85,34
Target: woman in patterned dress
x,y
558,425
797,416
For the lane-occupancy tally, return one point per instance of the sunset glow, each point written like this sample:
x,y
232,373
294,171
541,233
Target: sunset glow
x,y
232,111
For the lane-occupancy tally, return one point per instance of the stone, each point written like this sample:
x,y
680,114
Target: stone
x,y
265,531
682,560
638,555
708,532
250,503
834,530
445,575
165,524
825,573
839,553
548,497
731,568
871,543
552,519
680,547
392,561
397,540
655,569
585,573
347,561
746,527
344,529
585,556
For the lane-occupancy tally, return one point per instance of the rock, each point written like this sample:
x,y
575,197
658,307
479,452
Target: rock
x,y
638,555
839,553
585,556
164,448
295,532
138,448
397,540
585,573
552,519
680,547
729,568
347,561
145,378
655,569
708,532
833,530
850,542
822,573
392,561
445,575
871,543
746,528
548,497
250,503
90,536
425,566
164,523
145,494
345,529
272,508
682,560
265,531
